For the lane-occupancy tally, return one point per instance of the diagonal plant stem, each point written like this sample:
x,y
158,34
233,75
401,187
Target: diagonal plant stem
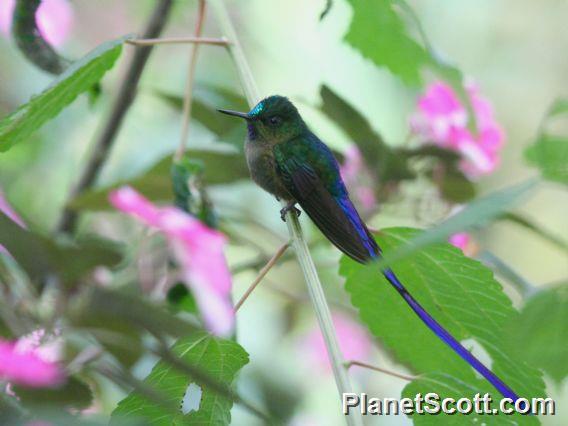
x,y
523,286
178,40
262,274
122,103
296,237
186,113
352,363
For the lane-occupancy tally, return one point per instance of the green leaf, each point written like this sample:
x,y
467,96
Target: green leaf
x,y
156,184
102,309
11,410
206,100
73,394
219,358
449,387
181,172
550,154
181,299
40,256
78,78
190,194
379,34
476,213
456,188
383,162
541,331
458,291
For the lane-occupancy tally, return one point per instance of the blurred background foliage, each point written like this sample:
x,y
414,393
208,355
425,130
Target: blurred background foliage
x,y
513,49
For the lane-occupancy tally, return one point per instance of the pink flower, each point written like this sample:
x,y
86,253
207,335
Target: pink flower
x,y
442,119
48,348
460,240
26,367
353,341
465,243
358,178
54,19
198,250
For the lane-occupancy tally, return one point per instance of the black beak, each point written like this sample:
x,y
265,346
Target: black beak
x,y
235,113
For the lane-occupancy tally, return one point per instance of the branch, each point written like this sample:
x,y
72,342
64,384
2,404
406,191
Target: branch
x,y
186,112
350,364
304,259
178,40
262,273
126,380
523,286
122,103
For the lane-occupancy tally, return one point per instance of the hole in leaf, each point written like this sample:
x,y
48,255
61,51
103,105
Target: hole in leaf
x,y
191,399
479,352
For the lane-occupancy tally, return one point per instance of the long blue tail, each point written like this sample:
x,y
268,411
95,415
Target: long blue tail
x,y
443,334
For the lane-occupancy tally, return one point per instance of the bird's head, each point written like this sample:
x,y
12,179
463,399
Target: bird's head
x,y
273,120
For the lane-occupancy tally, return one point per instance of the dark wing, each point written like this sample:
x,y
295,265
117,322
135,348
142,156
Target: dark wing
x,y
335,216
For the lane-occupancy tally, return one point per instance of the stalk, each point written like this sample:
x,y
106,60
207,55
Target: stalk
x,y
307,266
124,99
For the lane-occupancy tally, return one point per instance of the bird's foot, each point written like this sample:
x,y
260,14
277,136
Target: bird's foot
x,y
290,207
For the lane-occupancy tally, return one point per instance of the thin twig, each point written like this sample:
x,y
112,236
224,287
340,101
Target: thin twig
x,y
261,274
123,101
350,364
523,286
85,357
125,379
186,112
270,285
221,41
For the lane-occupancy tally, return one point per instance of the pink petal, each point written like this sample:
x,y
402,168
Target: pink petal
x,y
27,369
131,202
476,161
352,164
439,99
460,240
55,20
366,197
357,178
6,12
199,251
48,349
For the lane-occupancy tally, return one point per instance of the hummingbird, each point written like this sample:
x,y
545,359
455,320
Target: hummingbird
x,y
289,161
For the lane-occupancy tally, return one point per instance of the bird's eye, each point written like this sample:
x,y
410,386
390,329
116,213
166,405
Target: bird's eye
x,y
274,120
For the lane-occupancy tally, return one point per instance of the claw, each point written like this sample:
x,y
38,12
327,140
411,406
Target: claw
x,y
290,207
